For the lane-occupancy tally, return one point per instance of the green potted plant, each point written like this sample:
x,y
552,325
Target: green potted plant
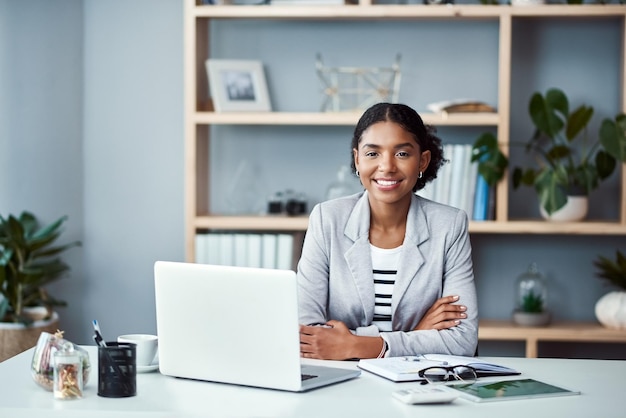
x,y
611,308
569,161
28,263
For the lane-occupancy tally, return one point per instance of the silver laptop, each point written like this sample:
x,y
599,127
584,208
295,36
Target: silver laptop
x,y
234,325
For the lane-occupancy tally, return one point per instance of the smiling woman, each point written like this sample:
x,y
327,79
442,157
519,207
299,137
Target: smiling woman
x,y
389,272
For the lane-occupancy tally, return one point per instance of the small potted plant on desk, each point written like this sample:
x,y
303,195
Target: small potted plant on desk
x,y
569,170
611,308
28,262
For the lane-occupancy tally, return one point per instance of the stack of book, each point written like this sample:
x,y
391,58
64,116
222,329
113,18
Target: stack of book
x,y
246,249
458,184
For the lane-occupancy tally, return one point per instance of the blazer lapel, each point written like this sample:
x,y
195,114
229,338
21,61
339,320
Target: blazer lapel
x,y
411,258
358,255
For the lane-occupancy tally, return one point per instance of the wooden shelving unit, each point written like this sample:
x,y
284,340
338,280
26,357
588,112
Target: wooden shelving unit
x,y
559,331
198,119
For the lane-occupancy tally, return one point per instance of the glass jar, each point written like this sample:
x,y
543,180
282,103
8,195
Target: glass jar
x,y
343,185
68,373
531,299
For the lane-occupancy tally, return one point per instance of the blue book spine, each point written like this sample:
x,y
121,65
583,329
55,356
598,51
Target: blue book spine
x,y
481,199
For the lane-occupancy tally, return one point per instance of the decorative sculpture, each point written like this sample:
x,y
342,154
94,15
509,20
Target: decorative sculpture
x,y
357,88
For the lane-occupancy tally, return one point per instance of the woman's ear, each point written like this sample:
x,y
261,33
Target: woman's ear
x,y
355,154
424,160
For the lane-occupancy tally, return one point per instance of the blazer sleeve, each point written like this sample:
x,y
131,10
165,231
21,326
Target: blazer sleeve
x,y
312,273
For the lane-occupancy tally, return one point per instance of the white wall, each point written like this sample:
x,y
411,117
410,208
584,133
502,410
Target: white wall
x,y
91,107
133,157
41,115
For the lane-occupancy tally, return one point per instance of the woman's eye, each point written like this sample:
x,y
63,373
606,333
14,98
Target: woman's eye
x,y
370,154
403,154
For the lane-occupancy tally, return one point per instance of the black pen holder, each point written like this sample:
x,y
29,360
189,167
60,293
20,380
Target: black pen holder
x,y
117,370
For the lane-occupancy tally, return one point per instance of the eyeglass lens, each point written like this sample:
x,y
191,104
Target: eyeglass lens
x,y
441,374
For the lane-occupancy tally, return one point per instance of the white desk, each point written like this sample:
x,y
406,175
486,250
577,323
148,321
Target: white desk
x,y
601,382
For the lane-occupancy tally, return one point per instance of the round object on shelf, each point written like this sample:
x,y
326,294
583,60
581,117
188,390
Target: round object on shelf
x,y
574,210
611,310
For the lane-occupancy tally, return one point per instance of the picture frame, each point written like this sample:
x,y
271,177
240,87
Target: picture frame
x,y
238,85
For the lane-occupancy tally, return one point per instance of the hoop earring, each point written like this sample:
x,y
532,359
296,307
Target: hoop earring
x,y
420,175
357,173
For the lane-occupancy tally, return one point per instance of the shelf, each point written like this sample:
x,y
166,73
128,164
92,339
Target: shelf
x,y
300,223
558,331
402,11
547,228
334,118
253,223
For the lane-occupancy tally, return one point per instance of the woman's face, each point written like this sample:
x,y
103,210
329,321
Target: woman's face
x,y
389,161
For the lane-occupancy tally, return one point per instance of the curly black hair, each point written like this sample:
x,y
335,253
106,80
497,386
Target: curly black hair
x,y
410,121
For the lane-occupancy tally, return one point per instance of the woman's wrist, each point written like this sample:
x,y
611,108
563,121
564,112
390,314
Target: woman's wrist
x,y
368,347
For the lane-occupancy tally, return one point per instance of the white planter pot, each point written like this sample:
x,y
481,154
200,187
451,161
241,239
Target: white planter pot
x,y
526,319
574,210
611,310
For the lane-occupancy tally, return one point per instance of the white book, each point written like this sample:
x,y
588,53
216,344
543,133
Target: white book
x,y
443,177
227,249
240,250
201,248
254,250
458,165
470,189
268,251
284,251
213,248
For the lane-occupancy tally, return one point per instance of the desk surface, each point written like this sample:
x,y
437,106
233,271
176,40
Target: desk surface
x,y
601,382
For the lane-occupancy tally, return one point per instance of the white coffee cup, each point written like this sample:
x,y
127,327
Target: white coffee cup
x,y
147,345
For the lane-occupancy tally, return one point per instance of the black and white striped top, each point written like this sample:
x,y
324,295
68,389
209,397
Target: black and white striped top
x,y
385,268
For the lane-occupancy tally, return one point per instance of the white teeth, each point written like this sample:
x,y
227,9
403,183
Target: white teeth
x,y
386,182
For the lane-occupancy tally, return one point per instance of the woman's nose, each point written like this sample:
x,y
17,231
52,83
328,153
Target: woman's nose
x,y
386,163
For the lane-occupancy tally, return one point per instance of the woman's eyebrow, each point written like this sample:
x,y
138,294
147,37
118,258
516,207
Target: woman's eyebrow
x,y
404,145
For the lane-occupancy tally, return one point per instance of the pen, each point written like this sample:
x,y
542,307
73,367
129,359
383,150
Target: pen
x,y
97,334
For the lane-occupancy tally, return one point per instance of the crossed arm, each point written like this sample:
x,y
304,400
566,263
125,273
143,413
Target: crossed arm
x,y
336,342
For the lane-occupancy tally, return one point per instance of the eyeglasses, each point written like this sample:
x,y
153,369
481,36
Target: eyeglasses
x,y
439,374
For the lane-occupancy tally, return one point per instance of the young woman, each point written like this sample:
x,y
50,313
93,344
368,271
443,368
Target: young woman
x,y
386,272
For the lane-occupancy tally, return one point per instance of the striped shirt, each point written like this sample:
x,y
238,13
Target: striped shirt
x,y
385,267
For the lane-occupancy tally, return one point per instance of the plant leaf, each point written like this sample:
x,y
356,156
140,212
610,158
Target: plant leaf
x,y
613,137
605,164
577,121
492,162
550,191
543,116
612,272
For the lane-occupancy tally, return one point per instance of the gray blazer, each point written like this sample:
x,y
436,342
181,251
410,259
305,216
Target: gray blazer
x,y
335,279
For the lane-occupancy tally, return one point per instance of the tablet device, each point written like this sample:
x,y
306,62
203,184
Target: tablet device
x,y
509,389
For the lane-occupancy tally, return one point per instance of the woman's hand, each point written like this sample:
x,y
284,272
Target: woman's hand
x,y
442,315
331,342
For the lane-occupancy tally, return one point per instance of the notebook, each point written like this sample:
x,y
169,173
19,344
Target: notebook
x,y
406,369
236,325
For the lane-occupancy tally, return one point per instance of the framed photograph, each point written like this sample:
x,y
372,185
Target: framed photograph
x,y
238,86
